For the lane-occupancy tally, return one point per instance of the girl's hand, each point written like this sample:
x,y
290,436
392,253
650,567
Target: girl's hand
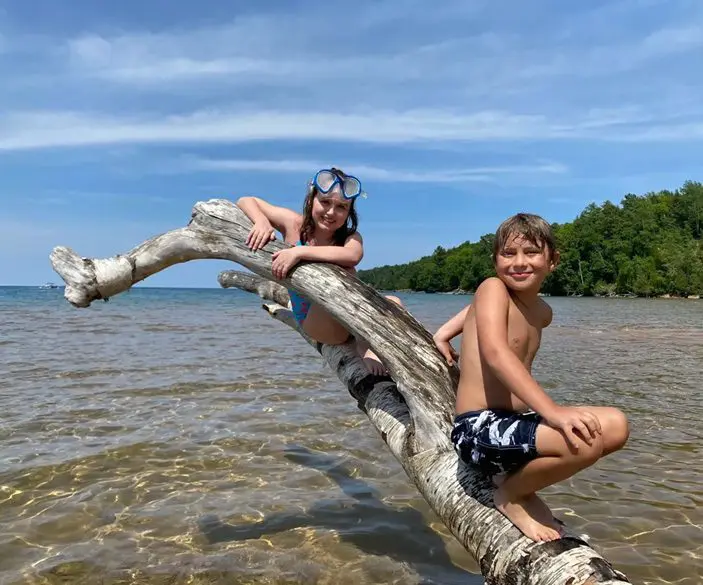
x,y
446,349
284,260
261,233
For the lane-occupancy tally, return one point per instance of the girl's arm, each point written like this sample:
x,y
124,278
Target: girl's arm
x,y
347,256
265,218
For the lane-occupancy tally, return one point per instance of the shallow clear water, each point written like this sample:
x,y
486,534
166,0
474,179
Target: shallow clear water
x,y
182,436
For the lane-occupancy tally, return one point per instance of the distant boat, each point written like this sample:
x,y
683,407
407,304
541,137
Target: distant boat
x,y
49,285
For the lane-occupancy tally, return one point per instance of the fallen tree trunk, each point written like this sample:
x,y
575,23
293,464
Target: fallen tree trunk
x,y
413,414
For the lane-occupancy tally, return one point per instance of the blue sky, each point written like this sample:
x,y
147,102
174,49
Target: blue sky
x,y
115,118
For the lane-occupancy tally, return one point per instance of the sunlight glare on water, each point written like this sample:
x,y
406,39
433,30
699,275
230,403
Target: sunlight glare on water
x,y
182,436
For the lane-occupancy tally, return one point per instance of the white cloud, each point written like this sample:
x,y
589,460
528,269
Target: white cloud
x,y
278,48
37,130
33,130
370,172
265,77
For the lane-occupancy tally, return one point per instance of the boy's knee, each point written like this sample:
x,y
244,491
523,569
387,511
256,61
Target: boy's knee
x,y
589,454
616,430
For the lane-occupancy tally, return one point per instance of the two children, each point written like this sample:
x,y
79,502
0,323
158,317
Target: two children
x,y
506,423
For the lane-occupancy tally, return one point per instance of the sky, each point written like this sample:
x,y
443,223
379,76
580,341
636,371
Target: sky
x,y
116,117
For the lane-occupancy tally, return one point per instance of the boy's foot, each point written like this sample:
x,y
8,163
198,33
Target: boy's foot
x,y
542,511
544,514
528,515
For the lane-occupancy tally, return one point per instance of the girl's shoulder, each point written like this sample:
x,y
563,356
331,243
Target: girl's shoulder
x,y
294,228
356,236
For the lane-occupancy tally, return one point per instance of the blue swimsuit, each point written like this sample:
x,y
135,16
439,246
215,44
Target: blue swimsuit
x,y
299,304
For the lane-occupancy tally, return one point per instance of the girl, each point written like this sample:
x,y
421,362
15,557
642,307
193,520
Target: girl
x,y
326,232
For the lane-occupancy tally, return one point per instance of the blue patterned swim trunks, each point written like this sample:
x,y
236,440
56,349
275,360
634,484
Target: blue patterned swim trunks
x,y
497,441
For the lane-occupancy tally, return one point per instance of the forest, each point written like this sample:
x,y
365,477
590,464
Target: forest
x,y
648,245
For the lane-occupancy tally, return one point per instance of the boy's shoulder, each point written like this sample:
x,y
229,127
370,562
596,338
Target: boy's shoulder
x,y
492,284
495,286
545,311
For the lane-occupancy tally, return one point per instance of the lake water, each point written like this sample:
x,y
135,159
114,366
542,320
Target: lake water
x,y
183,436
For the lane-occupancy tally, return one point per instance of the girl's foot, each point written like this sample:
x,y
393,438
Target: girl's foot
x,y
373,364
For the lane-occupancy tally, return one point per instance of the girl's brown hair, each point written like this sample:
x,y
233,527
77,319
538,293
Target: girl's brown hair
x,y
308,228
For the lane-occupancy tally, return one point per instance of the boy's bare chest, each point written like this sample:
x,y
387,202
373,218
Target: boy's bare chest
x,y
524,334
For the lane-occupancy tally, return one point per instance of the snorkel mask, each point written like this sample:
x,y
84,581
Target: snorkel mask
x,y
325,180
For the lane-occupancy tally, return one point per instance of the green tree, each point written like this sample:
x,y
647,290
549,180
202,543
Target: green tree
x,y
647,245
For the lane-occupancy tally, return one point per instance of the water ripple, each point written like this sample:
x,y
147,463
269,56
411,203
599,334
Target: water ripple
x,y
143,441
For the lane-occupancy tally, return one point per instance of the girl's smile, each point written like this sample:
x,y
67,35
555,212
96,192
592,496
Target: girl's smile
x,y
331,210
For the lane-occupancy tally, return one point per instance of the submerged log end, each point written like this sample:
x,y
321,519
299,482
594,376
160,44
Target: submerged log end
x,y
284,315
266,289
90,279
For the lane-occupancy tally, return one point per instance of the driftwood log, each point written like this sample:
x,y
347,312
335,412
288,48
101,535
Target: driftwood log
x,y
412,412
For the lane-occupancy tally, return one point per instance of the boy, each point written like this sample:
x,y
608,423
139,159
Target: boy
x,y
506,423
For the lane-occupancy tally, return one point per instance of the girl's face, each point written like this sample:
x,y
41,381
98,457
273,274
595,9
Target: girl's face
x,y
330,210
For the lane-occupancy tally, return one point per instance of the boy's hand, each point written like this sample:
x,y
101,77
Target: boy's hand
x,y
261,233
569,419
284,260
446,349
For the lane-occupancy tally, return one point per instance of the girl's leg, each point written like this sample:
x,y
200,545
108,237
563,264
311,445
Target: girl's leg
x,y
370,358
323,327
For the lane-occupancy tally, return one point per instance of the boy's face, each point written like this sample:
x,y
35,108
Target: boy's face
x,y
522,265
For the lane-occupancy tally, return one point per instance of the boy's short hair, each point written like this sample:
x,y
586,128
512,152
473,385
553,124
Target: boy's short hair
x,y
531,227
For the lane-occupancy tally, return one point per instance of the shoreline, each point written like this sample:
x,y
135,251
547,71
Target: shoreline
x,y
460,292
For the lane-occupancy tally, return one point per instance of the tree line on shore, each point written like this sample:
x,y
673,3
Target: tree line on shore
x,y
648,245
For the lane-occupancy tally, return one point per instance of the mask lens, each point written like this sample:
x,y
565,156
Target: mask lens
x,y
325,180
352,187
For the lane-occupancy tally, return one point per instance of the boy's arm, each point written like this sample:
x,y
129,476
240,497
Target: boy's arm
x,y
449,331
347,256
491,305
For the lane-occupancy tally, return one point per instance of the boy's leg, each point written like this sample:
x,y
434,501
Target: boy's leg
x,y
614,426
516,496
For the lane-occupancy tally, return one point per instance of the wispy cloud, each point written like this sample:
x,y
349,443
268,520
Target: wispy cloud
x,y
538,105
371,172
275,49
37,130
448,78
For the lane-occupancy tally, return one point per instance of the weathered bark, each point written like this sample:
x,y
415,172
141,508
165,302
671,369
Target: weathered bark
x,y
413,414
253,283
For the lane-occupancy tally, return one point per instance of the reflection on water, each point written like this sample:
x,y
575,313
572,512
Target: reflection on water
x,y
184,437
365,522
